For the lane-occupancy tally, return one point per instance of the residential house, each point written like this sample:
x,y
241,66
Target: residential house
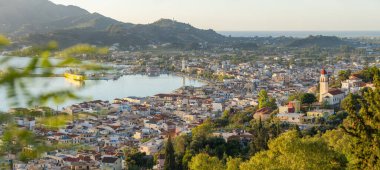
x,y
111,163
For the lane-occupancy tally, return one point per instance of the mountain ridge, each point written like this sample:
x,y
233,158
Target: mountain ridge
x,y
29,14
69,25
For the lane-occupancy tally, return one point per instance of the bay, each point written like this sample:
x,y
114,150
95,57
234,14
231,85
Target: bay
x,y
128,85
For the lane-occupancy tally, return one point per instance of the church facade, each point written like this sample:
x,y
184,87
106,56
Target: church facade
x,y
331,96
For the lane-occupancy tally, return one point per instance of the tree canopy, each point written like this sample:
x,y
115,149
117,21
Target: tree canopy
x,y
203,161
265,100
3,41
308,98
290,151
169,156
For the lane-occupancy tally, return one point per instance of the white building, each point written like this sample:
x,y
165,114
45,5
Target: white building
x,y
28,123
111,163
295,118
217,107
332,96
151,147
352,85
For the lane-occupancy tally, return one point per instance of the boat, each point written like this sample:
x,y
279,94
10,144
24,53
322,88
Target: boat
x,y
74,75
75,83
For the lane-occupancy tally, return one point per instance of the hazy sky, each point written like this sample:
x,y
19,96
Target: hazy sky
x,y
244,15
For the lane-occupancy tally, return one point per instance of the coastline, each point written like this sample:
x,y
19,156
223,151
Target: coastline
x,y
173,77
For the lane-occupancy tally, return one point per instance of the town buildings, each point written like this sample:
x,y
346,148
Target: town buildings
x,y
107,128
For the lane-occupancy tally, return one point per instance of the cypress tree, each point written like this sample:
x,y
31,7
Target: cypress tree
x,y
169,156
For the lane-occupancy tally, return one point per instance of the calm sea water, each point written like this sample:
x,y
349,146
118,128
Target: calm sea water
x,y
301,34
131,85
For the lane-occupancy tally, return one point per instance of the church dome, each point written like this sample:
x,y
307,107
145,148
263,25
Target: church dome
x,y
323,72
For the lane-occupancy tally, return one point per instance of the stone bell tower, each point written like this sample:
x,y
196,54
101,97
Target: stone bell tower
x,y
323,84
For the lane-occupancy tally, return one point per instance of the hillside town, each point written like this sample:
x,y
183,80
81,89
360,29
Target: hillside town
x,y
189,85
105,130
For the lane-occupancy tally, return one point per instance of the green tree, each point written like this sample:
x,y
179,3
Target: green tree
x,y
344,75
295,96
226,114
235,148
180,143
214,146
290,151
308,98
203,161
272,103
263,99
363,126
169,156
336,119
136,160
368,73
342,143
5,118
266,101
351,102
200,135
260,137
203,130
238,120
233,163
3,41
376,81
186,159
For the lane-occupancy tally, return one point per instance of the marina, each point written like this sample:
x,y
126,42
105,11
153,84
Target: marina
x,y
128,85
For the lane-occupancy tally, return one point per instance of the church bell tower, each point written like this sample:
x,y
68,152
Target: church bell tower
x,y
323,84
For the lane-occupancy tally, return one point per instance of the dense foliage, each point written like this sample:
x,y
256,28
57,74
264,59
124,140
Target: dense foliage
x,y
266,101
348,139
358,137
136,160
169,156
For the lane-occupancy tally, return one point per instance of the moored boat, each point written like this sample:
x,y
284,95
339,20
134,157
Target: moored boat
x,y
74,75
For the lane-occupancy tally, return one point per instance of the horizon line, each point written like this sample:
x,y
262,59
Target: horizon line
x,y
297,30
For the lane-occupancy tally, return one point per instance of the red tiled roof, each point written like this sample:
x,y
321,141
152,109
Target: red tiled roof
x,y
290,105
72,135
109,159
323,72
335,92
85,158
70,159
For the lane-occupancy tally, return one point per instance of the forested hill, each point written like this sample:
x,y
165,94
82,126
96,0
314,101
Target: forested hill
x,y
19,17
162,32
39,21
321,41
30,22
